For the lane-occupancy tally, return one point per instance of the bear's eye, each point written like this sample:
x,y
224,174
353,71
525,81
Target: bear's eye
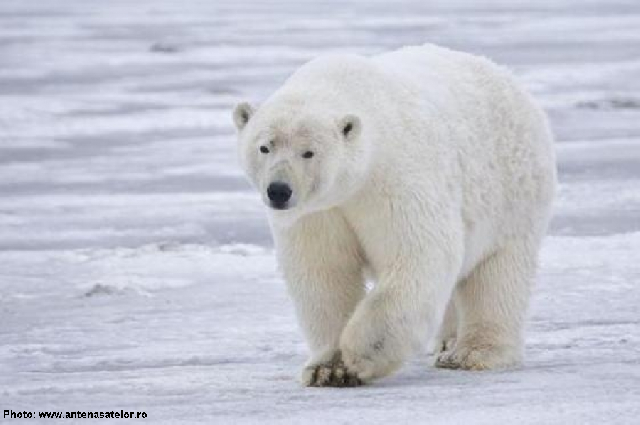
x,y
264,149
308,154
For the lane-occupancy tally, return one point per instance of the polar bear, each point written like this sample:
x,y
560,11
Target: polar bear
x,y
429,173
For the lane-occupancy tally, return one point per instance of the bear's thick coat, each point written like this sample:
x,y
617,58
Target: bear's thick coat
x,y
427,171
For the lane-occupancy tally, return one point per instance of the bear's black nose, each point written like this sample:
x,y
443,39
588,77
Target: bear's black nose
x,y
279,194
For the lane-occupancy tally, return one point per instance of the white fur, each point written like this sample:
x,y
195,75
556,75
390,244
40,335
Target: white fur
x,y
441,194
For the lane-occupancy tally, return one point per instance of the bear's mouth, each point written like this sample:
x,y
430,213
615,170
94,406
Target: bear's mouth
x,y
280,206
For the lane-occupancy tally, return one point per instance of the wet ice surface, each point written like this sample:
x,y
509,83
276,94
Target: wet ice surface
x,y
136,268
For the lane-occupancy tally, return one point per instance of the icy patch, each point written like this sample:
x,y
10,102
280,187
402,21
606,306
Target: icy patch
x,y
101,289
612,103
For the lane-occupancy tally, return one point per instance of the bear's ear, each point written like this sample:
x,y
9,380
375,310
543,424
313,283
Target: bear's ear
x,y
242,114
350,127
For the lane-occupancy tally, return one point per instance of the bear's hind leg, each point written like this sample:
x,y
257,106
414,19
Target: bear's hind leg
x,y
492,306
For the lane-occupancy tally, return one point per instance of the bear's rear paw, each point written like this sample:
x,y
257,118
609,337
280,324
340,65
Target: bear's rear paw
x,y
331,374
486,357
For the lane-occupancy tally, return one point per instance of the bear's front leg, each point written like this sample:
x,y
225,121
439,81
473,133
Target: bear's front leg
x,y
324,300
399,314
322,266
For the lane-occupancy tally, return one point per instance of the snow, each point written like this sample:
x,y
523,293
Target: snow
x,y
136,267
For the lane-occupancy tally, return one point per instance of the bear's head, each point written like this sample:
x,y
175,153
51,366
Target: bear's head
x,y
299,157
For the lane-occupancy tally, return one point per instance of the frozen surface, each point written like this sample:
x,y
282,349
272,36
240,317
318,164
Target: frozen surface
x,y
136,268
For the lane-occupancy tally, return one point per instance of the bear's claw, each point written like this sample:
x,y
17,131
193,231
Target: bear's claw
x,y
334,374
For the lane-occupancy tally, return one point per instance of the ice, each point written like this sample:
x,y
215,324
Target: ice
x,y
136,267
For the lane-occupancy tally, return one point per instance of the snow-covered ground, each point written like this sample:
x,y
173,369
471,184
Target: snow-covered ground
x,y
136,268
